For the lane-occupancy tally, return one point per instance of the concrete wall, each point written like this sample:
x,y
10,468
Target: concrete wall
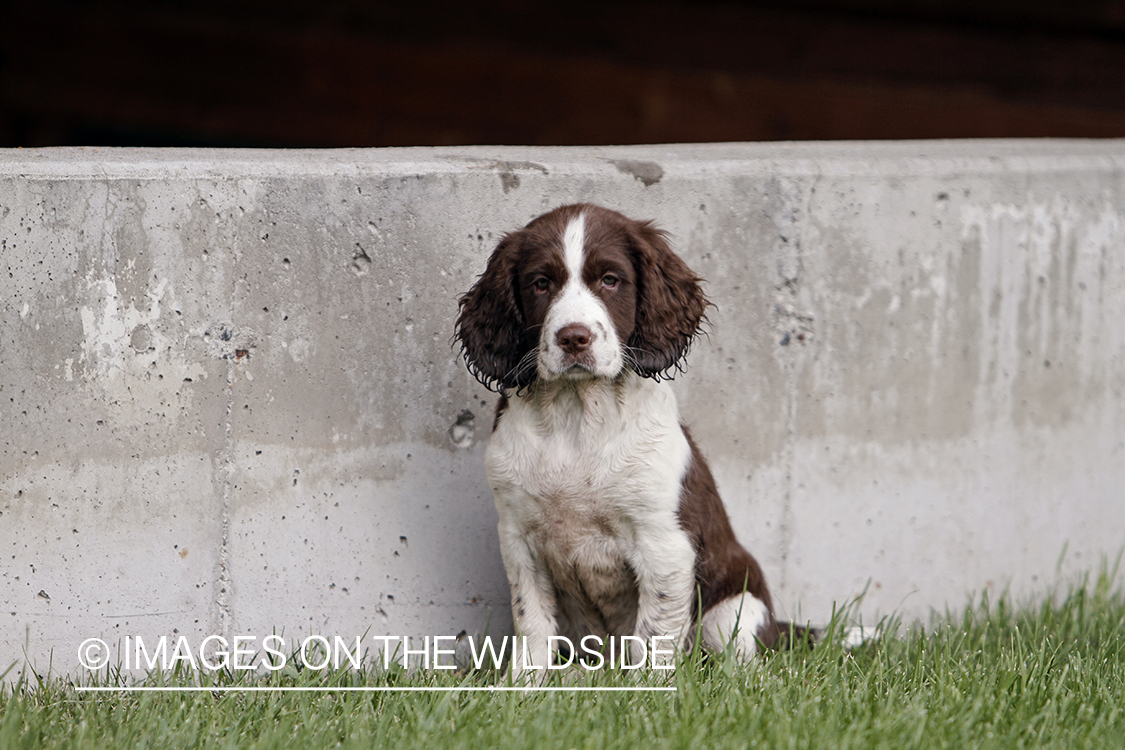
x,y
229,405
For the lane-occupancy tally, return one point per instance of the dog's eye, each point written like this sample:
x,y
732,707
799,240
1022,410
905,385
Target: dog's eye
x,y
610,281
541,284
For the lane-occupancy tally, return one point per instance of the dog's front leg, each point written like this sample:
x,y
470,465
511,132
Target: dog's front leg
x,y
664,562
533,603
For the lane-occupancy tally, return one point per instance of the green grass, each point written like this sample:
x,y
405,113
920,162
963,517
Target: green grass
x,y
1046,675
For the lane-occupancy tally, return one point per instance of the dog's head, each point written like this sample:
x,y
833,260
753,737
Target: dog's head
x,y
580,292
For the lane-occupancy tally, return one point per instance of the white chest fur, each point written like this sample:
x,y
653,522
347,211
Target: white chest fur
x,y
586,477
589,449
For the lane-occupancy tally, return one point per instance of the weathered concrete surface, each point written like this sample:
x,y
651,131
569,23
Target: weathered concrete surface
x,y
228,402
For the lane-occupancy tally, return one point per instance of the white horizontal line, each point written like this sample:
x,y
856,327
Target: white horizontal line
x,y
387,689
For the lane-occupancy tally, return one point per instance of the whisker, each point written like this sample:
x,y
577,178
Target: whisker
x,y
527,360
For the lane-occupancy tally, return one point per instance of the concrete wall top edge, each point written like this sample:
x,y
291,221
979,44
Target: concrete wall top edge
x,y
817,158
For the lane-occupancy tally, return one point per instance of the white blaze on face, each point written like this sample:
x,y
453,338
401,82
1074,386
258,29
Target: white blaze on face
x,y
577,304
574,247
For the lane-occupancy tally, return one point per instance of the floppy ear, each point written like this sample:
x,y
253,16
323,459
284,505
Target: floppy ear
x,y
491,326
670,304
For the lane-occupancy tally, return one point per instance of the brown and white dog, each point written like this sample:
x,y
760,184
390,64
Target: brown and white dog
x,y
610,521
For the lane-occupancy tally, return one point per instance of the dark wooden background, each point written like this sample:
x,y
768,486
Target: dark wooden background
x,y
283,73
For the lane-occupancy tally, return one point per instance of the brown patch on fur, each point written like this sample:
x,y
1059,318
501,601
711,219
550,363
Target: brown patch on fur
x,y
723,567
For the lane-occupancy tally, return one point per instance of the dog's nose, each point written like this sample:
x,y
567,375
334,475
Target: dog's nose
x,y
574,338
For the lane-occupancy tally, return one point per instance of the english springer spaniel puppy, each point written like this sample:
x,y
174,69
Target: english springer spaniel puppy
x,y
610,521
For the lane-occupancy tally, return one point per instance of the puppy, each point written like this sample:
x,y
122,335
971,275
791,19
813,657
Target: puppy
x,y
610,521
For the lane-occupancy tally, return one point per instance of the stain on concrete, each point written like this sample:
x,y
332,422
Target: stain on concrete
x,y
509,172
462,431
648,172
897,329
1047,305
227,341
